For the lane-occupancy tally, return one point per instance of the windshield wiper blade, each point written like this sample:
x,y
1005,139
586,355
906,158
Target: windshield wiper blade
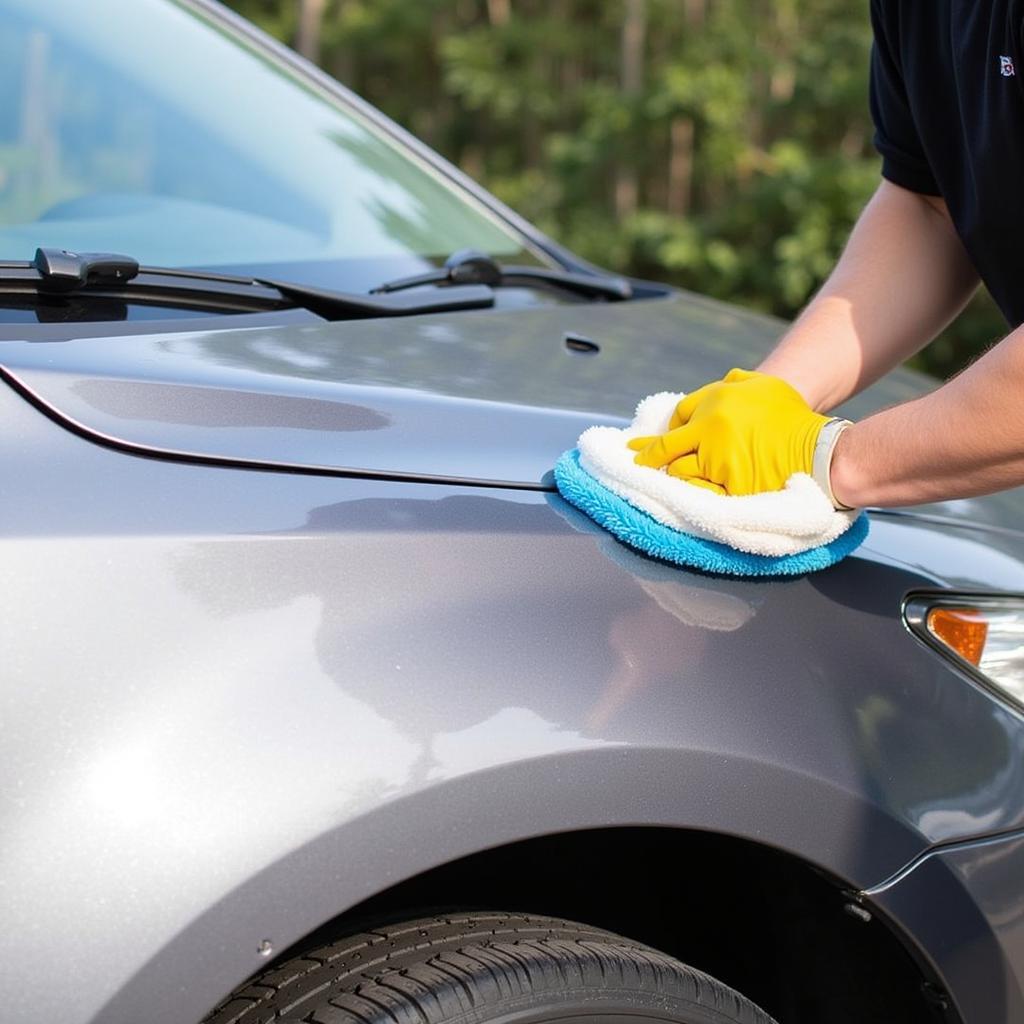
x,y
468,266
59,272
333,305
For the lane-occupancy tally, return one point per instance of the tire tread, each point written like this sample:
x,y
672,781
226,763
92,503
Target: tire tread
x,y
455,968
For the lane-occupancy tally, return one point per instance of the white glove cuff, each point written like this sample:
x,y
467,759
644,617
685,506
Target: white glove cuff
x,y
821,466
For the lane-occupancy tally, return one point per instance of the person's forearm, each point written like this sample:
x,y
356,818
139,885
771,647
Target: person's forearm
x,y
961,440
903,276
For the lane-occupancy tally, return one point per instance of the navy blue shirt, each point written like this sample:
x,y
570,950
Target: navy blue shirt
x,y
947,99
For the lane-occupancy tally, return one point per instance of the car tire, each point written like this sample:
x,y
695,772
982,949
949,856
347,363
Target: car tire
x,y
472,968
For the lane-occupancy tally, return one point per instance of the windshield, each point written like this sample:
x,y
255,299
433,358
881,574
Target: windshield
x,y
139,127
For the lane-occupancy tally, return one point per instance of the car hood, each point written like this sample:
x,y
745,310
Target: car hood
x,y
489,397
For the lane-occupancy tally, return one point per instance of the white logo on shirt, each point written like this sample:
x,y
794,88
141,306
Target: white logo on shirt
x,y
1006,68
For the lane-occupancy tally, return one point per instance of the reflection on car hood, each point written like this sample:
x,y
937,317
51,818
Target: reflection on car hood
x,y
489,397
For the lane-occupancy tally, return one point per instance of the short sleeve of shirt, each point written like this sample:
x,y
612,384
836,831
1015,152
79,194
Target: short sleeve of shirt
x,y
896,137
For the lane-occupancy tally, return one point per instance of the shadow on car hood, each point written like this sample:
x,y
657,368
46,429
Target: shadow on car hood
x,y
490,397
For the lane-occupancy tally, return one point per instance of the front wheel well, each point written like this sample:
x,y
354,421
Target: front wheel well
x,y
762,921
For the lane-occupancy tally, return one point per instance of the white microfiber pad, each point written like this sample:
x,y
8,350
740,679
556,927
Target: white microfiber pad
x,y
786,522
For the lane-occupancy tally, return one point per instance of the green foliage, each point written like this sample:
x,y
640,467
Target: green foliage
x,y
723,145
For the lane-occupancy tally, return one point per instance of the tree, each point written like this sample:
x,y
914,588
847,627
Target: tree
x,y
723,145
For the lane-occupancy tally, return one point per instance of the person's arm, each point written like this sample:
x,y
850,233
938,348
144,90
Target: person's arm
x,y
964,439
903,276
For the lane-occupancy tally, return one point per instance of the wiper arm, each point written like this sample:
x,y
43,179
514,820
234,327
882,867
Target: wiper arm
x,y
58,272
63,271
468,266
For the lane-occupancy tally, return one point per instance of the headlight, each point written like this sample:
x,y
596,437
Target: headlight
x,y
983,635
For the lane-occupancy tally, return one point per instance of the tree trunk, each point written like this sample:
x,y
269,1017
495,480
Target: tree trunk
x,y
634,32
680,166
342,57
311,16
498,12
695,12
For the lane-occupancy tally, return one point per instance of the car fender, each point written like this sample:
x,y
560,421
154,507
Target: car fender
x,y
577,789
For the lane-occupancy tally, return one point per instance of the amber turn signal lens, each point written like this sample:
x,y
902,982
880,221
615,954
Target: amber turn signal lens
x,y
962,629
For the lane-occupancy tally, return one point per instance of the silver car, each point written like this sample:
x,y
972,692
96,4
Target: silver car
x,y
319,704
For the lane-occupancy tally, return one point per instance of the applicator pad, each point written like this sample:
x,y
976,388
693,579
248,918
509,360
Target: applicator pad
x,y
775,533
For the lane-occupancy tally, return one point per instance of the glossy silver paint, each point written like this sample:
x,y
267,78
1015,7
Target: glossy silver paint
x,y
491,396
965,904
486,396
231,692
291,613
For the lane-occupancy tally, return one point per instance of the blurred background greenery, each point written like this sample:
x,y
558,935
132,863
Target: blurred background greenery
x,y
722,145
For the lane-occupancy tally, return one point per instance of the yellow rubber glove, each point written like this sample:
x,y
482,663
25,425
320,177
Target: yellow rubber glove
x,y
747,433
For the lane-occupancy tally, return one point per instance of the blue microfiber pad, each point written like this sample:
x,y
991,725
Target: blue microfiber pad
x,y
643,532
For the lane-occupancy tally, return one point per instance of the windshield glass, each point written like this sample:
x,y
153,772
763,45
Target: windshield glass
x,y
140,127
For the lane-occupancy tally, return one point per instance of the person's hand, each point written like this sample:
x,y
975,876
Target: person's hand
x,y
744,434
